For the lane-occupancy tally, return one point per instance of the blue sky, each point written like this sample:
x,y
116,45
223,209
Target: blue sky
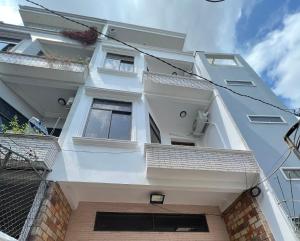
x,y
265,17
265,32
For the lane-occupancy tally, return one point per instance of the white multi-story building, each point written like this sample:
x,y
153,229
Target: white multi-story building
x,y
143,151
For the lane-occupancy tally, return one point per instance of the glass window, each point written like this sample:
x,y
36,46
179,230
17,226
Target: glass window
x,y
6,44
120,126
222,60
40,53
119,62
154,131
266,119
56,132
98,123
5,47
150,222
109,119
182,143
291,173
240,82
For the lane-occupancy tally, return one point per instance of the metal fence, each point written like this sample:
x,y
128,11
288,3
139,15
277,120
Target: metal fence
x,y
22,188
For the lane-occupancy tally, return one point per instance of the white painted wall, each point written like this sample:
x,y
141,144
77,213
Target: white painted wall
x,y
100,162
265,140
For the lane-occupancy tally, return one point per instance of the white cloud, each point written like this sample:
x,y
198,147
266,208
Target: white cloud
x,y
9,12
210,27
278,55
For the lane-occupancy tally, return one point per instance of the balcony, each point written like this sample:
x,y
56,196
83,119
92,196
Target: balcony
x,y
41,150
21,65
175,85
197,163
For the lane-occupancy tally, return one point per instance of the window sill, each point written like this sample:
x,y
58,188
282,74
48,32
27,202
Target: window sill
x,y
117,72
104,142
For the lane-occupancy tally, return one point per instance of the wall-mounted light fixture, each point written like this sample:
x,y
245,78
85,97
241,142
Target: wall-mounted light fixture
x,y
157,198
112,31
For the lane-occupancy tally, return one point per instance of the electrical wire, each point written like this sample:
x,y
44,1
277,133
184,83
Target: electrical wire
x,y
292,194
276,169
165,62
283,196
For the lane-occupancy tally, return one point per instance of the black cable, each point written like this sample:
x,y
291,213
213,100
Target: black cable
x,y
165,62
298,142
283,196
292,194
275,170
295,135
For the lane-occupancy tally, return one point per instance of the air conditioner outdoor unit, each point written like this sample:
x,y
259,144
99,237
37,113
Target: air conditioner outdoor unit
x,y
200,123
69,102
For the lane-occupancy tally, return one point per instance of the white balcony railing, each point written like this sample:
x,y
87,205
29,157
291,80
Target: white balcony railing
x,y
176,80
41,62
173,157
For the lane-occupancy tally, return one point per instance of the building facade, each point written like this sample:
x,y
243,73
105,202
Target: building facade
x,y
142,150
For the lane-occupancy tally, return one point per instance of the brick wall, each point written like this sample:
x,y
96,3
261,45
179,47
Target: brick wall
x,y
245,221
53,218
82,220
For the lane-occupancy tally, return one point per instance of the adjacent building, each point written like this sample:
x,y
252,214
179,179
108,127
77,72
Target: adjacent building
x,y
137,149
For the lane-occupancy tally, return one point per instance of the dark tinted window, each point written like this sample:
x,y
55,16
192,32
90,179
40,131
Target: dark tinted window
x,y
120,126
151,222
119,62
180,143
109,119
7,112
154,131
98,123
7,44
266,119
56,131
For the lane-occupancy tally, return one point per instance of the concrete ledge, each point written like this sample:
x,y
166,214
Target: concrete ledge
x,y
104,142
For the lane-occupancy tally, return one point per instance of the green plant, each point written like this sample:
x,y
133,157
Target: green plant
x,y
15,127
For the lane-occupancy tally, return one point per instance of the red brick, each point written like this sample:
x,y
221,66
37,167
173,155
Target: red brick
x,y
249,223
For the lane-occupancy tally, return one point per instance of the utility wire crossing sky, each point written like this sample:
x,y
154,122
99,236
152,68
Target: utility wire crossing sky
x,y
290,111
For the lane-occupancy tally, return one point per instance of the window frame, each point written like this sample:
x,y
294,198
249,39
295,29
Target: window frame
x,y
266,122
111,114
153,222
240,84
215,57
285,175
120,61
8,42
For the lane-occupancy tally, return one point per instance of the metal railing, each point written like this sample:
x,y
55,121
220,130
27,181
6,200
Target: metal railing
x,y
176,80
22,188
42,62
